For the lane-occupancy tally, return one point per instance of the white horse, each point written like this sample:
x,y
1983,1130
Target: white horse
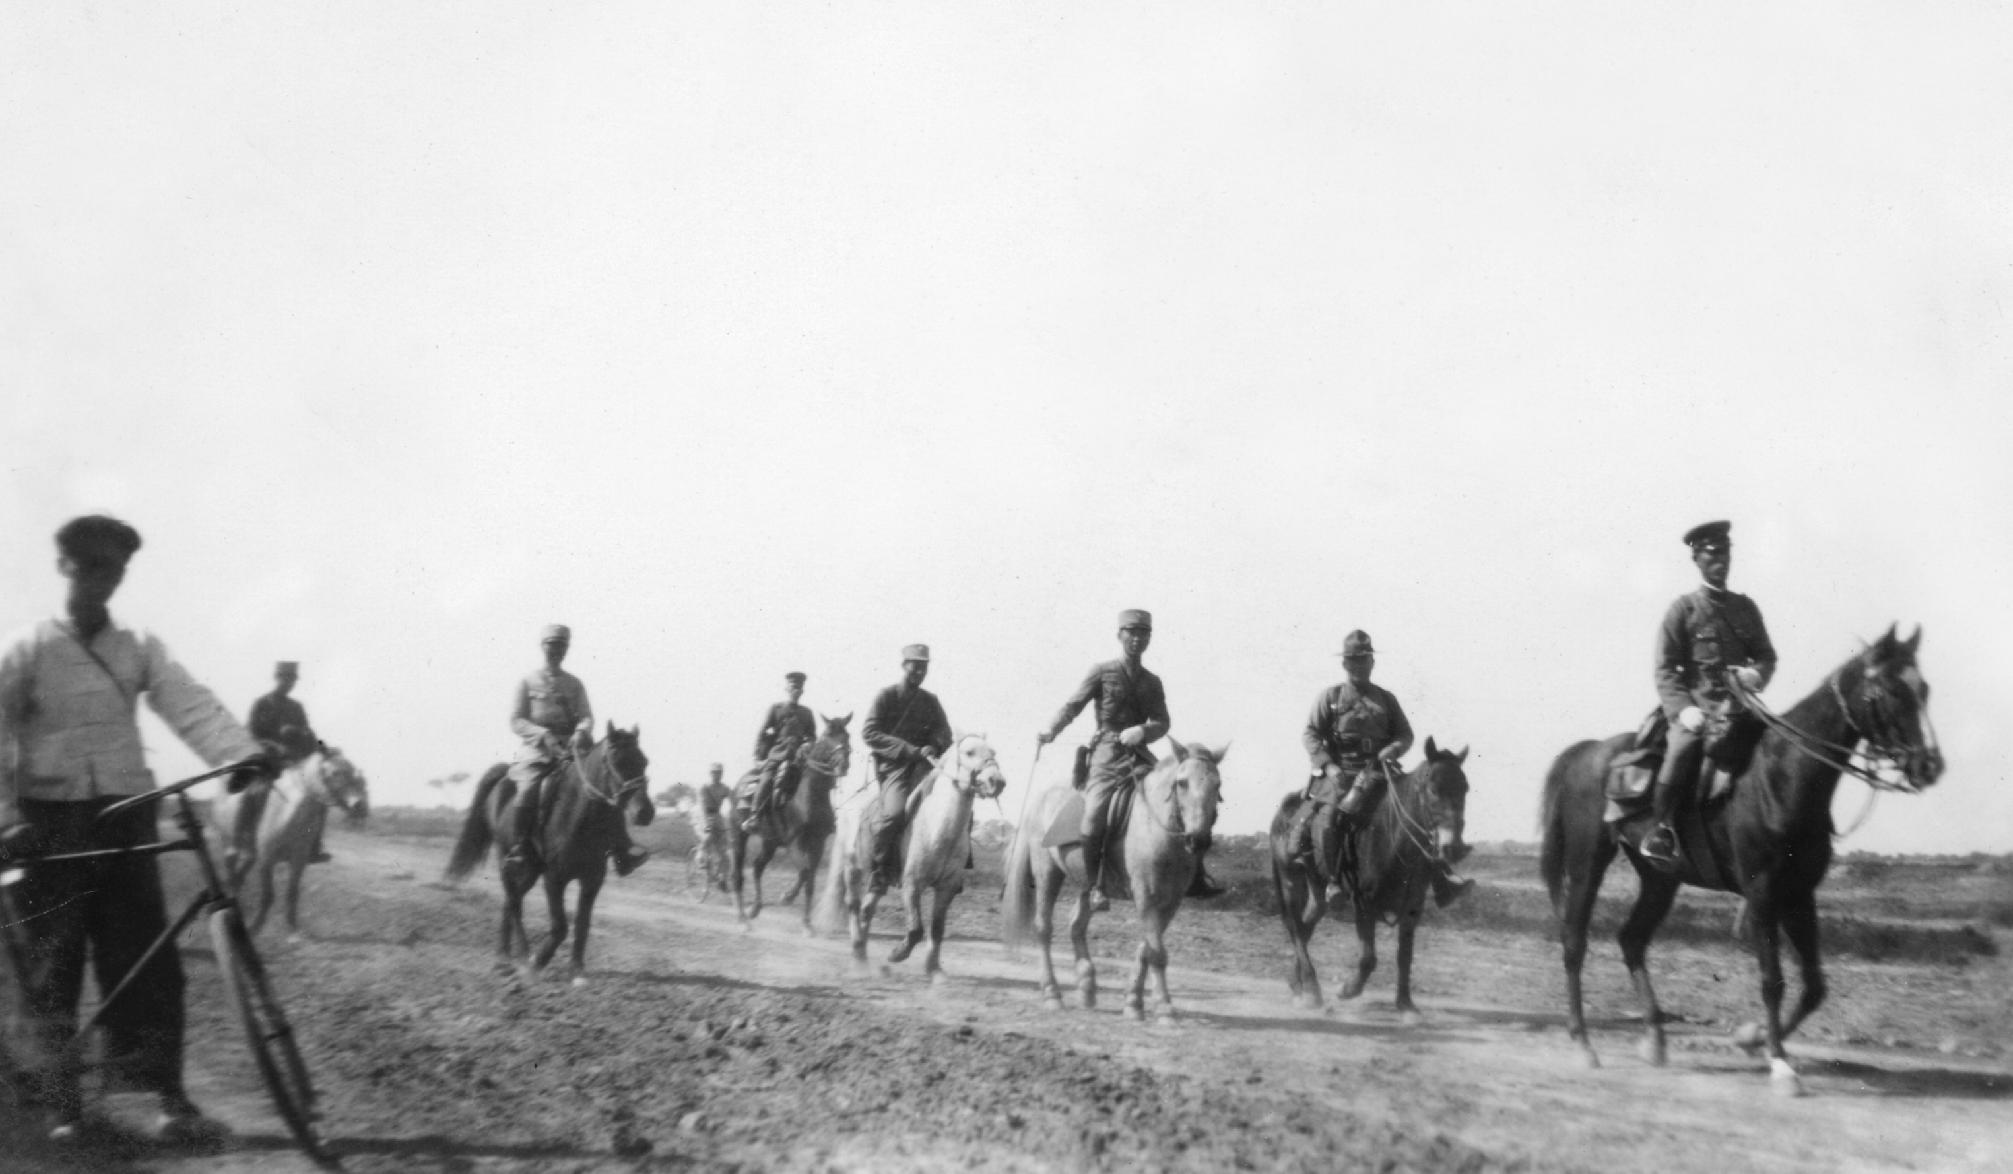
x,y
296,811
1173,818
936,845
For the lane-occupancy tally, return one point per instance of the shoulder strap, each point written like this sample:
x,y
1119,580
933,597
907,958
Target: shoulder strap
x,y
100,662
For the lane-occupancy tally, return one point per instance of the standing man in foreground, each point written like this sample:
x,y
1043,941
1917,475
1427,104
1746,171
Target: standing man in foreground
x,y
1355,736
1705,635
787,728
554,722
906,730
1131,716
69,748
280,722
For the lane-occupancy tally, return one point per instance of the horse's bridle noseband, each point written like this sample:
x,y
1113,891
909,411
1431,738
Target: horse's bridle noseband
x,y
1876,731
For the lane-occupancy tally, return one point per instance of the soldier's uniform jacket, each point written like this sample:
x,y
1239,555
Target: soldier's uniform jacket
x,y
1704,633
713,798
1124,699
901,725
787,726
1346,728
550,701
282,721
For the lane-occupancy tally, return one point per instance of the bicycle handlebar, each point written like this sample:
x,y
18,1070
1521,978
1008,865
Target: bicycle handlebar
x,y
160,793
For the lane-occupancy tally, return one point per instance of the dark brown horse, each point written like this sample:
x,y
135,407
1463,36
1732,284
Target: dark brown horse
x,y
586,800
1420,818
799,827
1770,840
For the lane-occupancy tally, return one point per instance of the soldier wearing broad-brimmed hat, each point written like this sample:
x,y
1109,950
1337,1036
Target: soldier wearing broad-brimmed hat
x,y
1706,636
1355,735
1131,716
906,731
787,728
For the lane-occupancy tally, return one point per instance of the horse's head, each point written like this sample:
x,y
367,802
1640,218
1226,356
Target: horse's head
x,y
1195,788
1440,795
972,766
622,757
345,785
1887,703
831,756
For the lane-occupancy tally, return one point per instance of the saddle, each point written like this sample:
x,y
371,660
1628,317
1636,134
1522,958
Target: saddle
x,y
1730,743
1065,827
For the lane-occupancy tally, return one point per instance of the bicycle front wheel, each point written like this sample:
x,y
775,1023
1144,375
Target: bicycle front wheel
x,y
266,1029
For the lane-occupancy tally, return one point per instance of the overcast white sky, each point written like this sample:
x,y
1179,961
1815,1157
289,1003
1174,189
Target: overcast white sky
x,y
776,336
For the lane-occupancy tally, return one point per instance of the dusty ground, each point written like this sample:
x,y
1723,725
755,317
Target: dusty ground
x,y
698,1046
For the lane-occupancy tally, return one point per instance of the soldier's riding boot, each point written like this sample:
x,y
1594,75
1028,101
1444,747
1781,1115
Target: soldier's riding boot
x,y
1093,872
1681,757
758,808
523,850
1300,836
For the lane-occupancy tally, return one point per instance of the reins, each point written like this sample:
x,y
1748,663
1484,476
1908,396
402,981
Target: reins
x,y
623,789
1412,827
1832,754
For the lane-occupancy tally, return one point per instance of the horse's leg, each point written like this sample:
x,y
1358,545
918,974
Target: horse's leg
x,y
1408,1013
1079,945
940,913
912,908
737,856
1166,916
1301,909
1047,879
1366,950
514,944
555,909
1584,866
762,859
807,883
1653,903
1799,922
583,919
1764,918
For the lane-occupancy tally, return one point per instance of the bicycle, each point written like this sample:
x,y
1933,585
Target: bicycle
x,y
706,867
267,1031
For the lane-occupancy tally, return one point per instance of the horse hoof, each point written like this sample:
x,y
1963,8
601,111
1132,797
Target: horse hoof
x,y
1052,1003
810,931
1133,1013
1411,1018
887,971
1653,1053
746,927
1749,1037
899,953
939,979
1783,1080
1588,1059
579,980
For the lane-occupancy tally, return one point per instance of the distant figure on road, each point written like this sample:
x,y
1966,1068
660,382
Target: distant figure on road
x,y
279,721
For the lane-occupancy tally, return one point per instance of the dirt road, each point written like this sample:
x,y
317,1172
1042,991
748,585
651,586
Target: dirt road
x,y
696,1045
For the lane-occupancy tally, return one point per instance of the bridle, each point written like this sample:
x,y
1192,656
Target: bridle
x,y
1876,732
1173,825
318,785
835,761
614,796
967,782
1419,833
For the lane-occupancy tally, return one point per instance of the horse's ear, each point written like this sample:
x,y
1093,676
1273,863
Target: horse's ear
x,y
1180,751
1220,752
1432,751
1462,756
1914,642
611,728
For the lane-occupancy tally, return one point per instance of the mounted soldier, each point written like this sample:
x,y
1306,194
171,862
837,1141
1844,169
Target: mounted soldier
x,y
1131,716
280,722
786,729
1354,737
907,731
552,718
1706,635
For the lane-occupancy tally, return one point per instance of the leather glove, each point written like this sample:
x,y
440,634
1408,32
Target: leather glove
x,y
263,767
1391,753
1749,678
1132,736
1691,719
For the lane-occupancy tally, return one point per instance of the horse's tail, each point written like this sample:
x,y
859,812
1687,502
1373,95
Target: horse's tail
x,y
1017,902
830,914
1551,817
476,834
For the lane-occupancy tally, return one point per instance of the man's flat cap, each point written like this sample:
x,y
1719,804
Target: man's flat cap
x,y
1133,617
916,652
95,532
794,678
556,632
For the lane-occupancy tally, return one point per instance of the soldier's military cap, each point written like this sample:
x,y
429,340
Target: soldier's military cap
x,y
794,678
916,652
556,632
1132,617
287,666
1713,534
716,768
92,532
1357,643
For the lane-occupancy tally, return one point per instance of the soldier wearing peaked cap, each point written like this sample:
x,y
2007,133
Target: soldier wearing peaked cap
x,y
1706,636
906,730
1131,716
555,723
786,729
1355,736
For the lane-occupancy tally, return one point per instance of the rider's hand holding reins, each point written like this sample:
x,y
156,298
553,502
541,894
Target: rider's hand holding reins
x,y
1132,736
263,768
1749,678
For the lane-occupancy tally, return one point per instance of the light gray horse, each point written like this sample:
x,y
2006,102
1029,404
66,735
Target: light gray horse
x,y
935,848
1173,817
292,821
